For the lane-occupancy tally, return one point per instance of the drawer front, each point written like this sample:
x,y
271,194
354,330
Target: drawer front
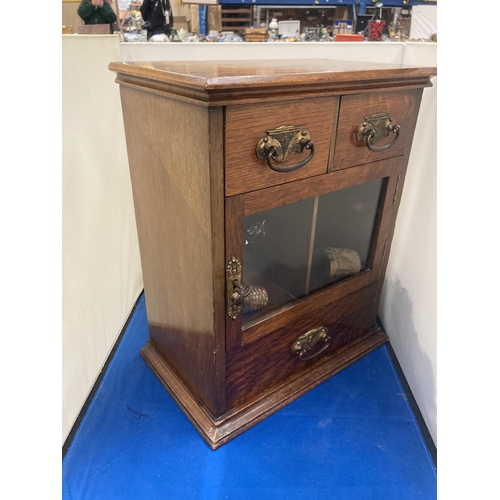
x,y
401,106
246,125
258,366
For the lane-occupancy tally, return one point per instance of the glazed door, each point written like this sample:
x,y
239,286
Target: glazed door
x,y
294,248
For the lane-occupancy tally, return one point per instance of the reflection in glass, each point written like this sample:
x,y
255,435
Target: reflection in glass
x,y
295,249
344,229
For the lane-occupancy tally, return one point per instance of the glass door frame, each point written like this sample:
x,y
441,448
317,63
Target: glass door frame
x,y
239,206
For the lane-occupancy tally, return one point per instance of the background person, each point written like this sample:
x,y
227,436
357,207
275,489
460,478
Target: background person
x,y
97,12
158,17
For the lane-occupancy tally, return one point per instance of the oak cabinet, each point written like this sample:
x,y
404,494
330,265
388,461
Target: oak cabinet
x,y
266,198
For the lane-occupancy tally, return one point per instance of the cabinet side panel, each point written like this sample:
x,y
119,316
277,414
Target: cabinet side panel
x,y
169,158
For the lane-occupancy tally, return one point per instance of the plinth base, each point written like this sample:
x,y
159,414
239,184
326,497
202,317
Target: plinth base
x,y
217,432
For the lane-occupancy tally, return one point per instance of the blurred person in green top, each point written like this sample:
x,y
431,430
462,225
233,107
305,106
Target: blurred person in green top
x,y
97,12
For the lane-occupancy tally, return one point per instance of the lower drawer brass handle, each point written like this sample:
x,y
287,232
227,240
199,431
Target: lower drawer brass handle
x,y
376,127
305,345
281,143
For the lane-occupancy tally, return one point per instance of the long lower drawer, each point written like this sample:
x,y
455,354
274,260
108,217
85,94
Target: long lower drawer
x,y
259,366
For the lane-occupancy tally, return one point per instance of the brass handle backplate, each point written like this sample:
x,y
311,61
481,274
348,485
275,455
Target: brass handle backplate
x,y
235,291
305,345
281,143
375,128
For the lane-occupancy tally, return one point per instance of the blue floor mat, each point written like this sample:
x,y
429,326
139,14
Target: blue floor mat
x,y
353,437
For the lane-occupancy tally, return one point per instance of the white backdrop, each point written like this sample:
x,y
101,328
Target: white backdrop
x,y
100,268
423,21
409,298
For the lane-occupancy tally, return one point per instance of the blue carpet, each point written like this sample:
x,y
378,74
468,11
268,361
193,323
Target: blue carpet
x,y
353,437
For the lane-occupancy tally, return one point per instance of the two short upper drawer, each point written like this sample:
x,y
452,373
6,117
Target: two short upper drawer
x,y
331,127
246,125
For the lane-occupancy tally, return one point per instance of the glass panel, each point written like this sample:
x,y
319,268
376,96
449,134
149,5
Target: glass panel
x,y
275,254
344,229
296,249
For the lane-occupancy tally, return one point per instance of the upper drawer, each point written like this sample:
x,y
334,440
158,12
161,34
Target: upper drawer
x,y
401,106
246,125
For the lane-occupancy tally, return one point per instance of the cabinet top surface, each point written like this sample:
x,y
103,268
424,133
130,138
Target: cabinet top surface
x,y
224,82
226,74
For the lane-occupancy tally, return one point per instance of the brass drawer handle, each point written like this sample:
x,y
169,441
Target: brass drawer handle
x,y
307,342
376,127
281,143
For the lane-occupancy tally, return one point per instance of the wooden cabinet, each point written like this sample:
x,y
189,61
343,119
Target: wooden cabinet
x,y
266,198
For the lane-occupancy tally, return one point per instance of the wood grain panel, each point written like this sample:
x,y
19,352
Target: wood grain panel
x,y
402,106
218,431
247,125
234,248
216,161
173,185
226,82
294,311
308,188
258,366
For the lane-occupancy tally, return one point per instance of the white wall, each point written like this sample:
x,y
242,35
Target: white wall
x,y
409,298
345,51
423,21
100,255
100,266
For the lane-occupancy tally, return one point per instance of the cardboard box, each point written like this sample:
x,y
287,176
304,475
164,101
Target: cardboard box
x,y
289,29
214,18
181,22
94,29
255,31
195,19
341,37
255,34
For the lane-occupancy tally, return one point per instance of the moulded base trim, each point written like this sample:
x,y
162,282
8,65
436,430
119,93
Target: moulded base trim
x,y
218,431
